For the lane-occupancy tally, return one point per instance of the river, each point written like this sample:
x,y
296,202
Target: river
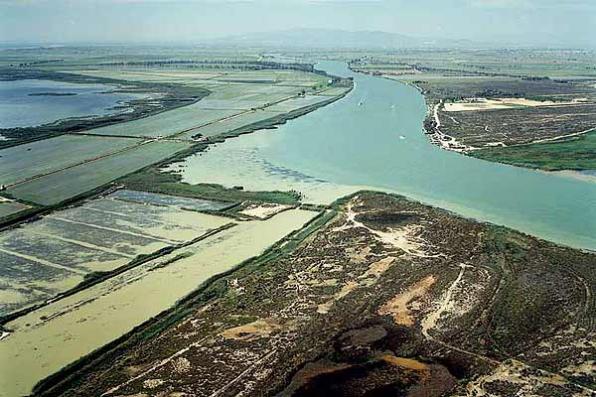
x,y
373,138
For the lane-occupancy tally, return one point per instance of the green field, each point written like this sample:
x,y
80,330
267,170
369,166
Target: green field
x,y
22,162
231,124
57,187
8,208
153,180
167,123
578,153
297,103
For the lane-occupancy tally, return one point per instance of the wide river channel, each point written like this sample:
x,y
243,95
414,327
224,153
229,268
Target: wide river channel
x,y
373,138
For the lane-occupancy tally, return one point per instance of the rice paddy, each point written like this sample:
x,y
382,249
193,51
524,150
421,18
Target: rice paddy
x,y
51,337
41,174
23,162
68,183
164,199
231,124
44,258
81,276
166,124
297,103
9,207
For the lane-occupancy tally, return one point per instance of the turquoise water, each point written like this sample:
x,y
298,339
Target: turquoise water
x,y
380,145
18,108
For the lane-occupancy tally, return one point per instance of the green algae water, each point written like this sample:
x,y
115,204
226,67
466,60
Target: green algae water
x,y
373,138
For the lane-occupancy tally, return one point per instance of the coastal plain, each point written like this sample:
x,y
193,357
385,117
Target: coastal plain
x,y
123,278
373,298
76,246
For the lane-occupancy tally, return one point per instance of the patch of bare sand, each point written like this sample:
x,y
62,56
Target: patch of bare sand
x,y
499,103
457,300
574,175
376,269
406,363
264,210
526,378
345,290
403,238
586,368
256,329
399,306
368,278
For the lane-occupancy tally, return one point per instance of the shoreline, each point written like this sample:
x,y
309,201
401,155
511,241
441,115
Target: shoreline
x,y
171,96
432,120
573,174
38,211
70,376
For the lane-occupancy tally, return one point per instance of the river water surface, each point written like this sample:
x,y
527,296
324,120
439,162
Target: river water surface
x,y
373,138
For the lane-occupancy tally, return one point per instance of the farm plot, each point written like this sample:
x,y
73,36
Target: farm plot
x,y
149,76
164,199
91,235
286,77
166,123
22,162
54,254
71,182
298,103
24,282
63,254
334,91
9,207
167,224
231,124
50,338
259,94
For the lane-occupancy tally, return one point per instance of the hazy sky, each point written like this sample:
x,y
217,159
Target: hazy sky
x,y
533,22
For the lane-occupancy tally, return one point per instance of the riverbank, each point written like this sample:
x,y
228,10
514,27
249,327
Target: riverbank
x,y
493,115
346,147
376,295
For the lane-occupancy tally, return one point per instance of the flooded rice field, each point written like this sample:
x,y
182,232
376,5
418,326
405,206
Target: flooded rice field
x,y
57,334
51,255
164,199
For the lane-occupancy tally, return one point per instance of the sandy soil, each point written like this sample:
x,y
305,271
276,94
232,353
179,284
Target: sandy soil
x,y
499,103
575,175
256,329
399,306
264,210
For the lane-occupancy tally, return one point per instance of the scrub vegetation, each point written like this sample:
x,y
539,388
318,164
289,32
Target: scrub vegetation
x,y
380,295
576,153
121,279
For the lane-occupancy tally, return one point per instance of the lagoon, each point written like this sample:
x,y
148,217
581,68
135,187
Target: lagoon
x,y
33,102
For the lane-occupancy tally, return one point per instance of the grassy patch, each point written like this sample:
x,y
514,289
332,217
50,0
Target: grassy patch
x,y
578,153
152,180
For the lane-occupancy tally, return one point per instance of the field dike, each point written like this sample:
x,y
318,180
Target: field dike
x,y
213,288
270,123
99,277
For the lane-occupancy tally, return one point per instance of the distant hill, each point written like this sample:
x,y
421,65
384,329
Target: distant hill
x,y
327,38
